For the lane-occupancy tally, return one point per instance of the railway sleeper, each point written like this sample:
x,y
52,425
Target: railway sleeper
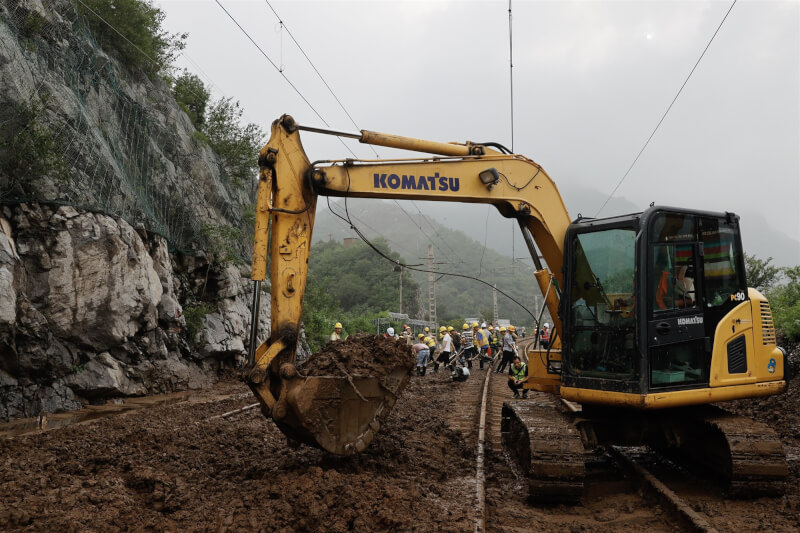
x,y
550,444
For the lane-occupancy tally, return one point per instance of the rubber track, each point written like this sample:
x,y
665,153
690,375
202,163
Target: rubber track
x,y
757,465
547,448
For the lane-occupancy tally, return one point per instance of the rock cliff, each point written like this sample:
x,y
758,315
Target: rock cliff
x,y
90,308
107,194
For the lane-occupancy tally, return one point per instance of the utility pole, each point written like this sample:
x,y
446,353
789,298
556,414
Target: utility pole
x,y
401,290
431,287
494,298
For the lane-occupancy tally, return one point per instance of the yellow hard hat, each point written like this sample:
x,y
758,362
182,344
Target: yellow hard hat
x,y
442,328
450,328
427,329
512,328
491,328
337,325
502,328
420,336
465,326
474,324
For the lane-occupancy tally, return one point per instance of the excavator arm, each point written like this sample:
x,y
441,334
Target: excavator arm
x,y
289,185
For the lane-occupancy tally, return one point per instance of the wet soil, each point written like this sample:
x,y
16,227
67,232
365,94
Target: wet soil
x,y
359,355
176,468
183,467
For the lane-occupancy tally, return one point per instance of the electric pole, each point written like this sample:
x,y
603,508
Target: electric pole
x,y
401,290
431,287
494,298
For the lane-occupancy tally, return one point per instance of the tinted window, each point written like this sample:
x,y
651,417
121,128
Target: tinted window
x,y
672,282
724,283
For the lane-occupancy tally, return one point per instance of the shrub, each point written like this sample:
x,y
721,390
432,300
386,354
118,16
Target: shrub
x,y
192,96
237,146
132,30
27,147
194,315
785,304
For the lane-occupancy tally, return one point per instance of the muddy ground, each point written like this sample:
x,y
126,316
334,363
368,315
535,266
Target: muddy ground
x,y
173,467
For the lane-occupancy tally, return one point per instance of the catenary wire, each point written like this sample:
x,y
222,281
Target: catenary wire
x,y
321,77
667,111
379,252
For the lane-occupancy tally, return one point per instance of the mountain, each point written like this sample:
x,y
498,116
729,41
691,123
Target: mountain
x,y
409,233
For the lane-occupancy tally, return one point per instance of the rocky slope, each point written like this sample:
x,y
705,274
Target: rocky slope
x,y
103,179
91,308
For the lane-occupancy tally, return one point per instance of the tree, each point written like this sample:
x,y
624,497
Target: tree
x,y
192,96
785,303
760,274
236,145
132,30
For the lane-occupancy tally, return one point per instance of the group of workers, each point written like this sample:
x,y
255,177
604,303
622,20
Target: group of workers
x,y
456,350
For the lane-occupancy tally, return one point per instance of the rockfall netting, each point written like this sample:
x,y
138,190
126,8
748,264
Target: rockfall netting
x,y
77,128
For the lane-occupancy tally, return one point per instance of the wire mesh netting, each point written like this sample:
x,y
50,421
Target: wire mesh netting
x,y
78,128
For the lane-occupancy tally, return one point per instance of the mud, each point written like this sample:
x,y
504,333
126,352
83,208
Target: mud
x,y
359,355
174,467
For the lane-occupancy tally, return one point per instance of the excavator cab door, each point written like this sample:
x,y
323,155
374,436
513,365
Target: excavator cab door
x,y
695,276
677,343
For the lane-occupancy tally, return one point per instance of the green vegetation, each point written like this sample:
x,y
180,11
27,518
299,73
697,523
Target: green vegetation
x,y
33,24
220,126
192,96
224,242
139,40
352,285
784,298
27,147
760,274
456,297
237,146
194,315
785,302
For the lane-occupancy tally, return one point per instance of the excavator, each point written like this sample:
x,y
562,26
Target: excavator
x,y
653,322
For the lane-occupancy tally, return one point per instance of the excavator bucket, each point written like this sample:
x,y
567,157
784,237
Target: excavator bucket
x,y
337,399
340,414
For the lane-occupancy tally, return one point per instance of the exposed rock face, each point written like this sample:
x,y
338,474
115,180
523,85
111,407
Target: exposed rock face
x,y
90,308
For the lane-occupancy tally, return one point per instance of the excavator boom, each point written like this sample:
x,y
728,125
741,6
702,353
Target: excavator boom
x,y
322,411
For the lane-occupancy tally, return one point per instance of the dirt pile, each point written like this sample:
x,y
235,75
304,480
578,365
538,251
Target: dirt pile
x,y
176,468
359,355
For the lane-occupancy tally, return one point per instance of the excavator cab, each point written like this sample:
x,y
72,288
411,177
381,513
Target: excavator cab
x,y
656,308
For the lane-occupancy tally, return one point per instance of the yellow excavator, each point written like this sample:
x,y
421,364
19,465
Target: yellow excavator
x,y
653,321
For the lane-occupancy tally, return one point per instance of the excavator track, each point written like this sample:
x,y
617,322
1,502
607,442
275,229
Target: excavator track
x,y
748,455
547,448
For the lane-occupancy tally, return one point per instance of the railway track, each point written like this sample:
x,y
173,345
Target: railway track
x,y
621,493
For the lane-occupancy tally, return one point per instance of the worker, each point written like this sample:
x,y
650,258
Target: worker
x,y
476,341
467,345
430,340
517,377
409,336
509,349
421,351
456,338
483,344
544,336
495,340
337,332
447,349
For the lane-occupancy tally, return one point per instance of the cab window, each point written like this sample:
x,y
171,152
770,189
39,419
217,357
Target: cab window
x,y
672,282
602,337
723,280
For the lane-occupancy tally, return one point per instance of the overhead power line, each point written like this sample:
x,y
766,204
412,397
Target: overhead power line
x,y
321,77
667,111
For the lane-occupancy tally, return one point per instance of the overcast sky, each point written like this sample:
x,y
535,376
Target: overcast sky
x,y
591,81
